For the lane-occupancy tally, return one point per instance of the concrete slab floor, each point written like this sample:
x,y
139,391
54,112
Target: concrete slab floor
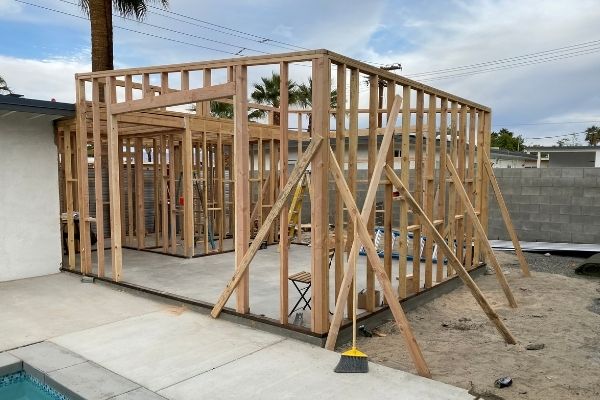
x,y
186,355
36,309
180,354
204,279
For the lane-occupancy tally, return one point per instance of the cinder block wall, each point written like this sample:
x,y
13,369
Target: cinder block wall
x,y
549,204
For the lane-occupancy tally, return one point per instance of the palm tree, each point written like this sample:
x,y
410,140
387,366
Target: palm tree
x,y
4,89
101,13
304,99
221,110
592,135
267,92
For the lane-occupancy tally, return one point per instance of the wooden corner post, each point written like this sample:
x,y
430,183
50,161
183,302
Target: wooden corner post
x,y
242,188
320,204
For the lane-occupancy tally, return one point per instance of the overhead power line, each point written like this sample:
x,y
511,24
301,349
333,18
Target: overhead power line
x,y
577,46
128,29
546,123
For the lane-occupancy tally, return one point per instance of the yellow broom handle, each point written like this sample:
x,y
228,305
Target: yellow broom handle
x,y
354,302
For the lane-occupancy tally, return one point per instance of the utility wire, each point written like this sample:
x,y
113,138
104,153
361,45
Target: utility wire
x,y
515,65
578,46
547,123
240,48
127,29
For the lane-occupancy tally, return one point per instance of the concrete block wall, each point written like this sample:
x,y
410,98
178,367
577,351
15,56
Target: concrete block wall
x,y
549,204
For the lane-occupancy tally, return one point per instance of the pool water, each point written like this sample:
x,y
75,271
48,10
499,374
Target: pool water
x,y
22,386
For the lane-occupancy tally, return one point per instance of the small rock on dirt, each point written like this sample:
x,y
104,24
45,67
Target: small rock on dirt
x,y
535,346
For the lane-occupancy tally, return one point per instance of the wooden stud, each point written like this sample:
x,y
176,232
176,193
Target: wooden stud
x,y
188,191
418,195
85,251
319,203
441,203
140,214
405,173
430,188
113,182
283,218
352,158
69,180
242,209
99,198
371,158
388,192
340,144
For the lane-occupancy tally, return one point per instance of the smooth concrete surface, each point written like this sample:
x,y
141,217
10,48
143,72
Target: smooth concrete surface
x,y
186,355
29,216
204,279
160,349
292,370
138,346
36,309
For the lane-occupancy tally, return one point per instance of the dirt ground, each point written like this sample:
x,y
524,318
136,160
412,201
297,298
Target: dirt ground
x,y
559,310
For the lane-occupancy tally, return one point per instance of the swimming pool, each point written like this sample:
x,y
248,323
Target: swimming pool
x,y
22,386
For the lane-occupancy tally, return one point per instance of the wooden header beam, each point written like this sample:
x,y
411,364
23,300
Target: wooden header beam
x,y
175,98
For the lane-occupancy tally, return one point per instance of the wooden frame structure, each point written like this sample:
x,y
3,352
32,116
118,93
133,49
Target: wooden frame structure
x,y
219,182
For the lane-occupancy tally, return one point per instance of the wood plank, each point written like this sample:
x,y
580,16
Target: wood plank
x,y
140,214
352,159
245,261
430,188
283,176
188,191
460,270
85,245
176,98
163,193
242,191
340,147
404,171
506,216
441,192
69,198
371,159
319,212
172,200
344,293
98,177
418,195
388,207
130,219
364,233
462,194
114,165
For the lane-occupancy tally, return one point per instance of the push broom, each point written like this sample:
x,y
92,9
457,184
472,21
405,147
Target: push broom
x,y
353,360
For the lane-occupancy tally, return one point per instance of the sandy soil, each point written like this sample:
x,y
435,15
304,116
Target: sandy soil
x,y
462,348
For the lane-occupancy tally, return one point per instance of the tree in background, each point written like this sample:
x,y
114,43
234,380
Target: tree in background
x,y
4,89
101,13
592,135
505,139
221,110
569,141
267,92
304,99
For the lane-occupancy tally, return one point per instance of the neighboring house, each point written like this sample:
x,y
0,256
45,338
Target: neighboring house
x,y
567,156
30,237
501,158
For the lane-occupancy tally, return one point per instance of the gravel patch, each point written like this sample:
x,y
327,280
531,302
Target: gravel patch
x,y
538,262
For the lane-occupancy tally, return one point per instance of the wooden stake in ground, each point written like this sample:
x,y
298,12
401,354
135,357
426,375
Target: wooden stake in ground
x,y
401,320
505,215
452,260
264,229
342,297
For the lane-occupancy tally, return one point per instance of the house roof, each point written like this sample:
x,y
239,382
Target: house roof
x,y
562,149
33,106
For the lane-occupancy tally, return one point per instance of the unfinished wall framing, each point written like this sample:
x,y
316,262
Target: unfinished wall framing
x,y
222,184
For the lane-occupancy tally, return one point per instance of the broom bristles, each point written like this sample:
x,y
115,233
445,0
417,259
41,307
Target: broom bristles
x,y
353,361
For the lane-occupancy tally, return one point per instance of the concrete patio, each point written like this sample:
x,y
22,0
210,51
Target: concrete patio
x,y
148,346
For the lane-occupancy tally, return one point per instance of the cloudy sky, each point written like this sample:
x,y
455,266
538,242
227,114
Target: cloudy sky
x,y
535,63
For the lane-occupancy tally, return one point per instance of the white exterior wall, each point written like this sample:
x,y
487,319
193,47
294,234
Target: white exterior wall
x,y
29,200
